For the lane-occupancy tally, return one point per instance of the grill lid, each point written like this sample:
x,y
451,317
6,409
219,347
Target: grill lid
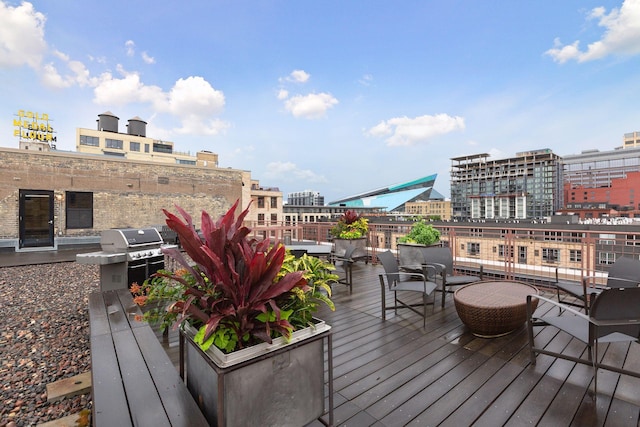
x,y
124,239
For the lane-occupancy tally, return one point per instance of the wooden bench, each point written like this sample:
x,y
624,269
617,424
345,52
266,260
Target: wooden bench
x,y
133,380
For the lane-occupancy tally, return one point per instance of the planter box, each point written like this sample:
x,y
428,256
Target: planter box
x,y
279,384
360,252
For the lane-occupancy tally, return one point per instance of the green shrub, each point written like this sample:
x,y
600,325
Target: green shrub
x,y
421,233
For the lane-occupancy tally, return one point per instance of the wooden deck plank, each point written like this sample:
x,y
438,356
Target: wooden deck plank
x,y
181,409
395,371
138,382
106,403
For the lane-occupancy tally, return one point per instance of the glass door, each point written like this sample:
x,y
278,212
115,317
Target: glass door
x,y
36,218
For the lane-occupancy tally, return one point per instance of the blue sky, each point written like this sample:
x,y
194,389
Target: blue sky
x,y
339,97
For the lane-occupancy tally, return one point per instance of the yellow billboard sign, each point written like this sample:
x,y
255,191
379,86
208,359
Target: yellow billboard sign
x,y
33,126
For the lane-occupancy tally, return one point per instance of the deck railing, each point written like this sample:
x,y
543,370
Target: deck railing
x,y
542,255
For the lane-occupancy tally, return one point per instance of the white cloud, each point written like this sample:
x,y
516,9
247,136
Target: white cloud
x,y
283,94
407,131
366,80
192,100
195,96
148,59
289,172
21,36
126,90
131,47
77,75
621,35
51,78
299,76
311,106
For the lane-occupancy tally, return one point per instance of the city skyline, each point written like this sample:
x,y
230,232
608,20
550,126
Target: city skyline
x,y
334,97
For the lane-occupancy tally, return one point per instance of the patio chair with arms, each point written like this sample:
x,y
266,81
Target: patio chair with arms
x,y
400,281
442,259
345,262
614,316
623,273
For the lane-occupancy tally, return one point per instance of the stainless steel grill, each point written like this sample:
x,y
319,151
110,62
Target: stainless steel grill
x,y
128,255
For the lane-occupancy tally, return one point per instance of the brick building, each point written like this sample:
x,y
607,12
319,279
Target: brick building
x,y
52,198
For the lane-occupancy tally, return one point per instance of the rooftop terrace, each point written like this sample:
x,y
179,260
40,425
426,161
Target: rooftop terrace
x,y
395,373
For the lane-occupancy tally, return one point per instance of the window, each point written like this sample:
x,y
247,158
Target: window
x,y
606,258
92,141
79,210
550,255
505,251
522,254
607,239
473,248
575,255
134,146
146,148
475,232
260,219
632,240
274,218
159,147
553,235
113,143
185,162
274,202
260,202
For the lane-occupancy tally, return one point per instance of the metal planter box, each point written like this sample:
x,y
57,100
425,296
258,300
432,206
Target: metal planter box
x,y
279,384
360,251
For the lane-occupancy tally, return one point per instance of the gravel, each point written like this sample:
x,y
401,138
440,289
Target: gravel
x,y
44,337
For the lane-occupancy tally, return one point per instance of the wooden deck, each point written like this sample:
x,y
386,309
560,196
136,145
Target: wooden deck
x,y
395,373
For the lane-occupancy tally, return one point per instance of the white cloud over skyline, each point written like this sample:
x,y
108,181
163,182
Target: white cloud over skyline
x,y
405,131
288,105
621,36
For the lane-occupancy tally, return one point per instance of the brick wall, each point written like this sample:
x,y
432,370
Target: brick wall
x,y
125,193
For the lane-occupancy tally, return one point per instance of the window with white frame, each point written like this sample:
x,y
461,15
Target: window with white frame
x,y
575,255
606,258
550,255
473,248
607,239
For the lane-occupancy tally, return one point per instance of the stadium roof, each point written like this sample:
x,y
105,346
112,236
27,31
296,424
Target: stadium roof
x,y
394,197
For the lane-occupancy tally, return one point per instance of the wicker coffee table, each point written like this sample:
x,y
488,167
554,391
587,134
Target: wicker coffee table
x,y
493,308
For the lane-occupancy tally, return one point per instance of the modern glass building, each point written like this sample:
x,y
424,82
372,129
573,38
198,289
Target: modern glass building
x,y
527,186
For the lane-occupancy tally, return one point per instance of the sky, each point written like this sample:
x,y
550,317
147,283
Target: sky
x,y
339,97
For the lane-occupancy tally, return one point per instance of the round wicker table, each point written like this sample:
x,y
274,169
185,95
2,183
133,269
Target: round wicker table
x,y
493,308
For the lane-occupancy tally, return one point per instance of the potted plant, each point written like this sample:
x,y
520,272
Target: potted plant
x,y
421,234
351,231
240,303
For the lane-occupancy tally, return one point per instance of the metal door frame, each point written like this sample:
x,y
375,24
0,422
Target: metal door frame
x,y
22,213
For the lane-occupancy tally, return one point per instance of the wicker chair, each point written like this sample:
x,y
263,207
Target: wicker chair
x,y
399,281
614,316
442,259
624,273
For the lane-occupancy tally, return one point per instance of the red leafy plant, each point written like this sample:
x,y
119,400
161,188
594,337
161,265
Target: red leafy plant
x,y
350,225
231,289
